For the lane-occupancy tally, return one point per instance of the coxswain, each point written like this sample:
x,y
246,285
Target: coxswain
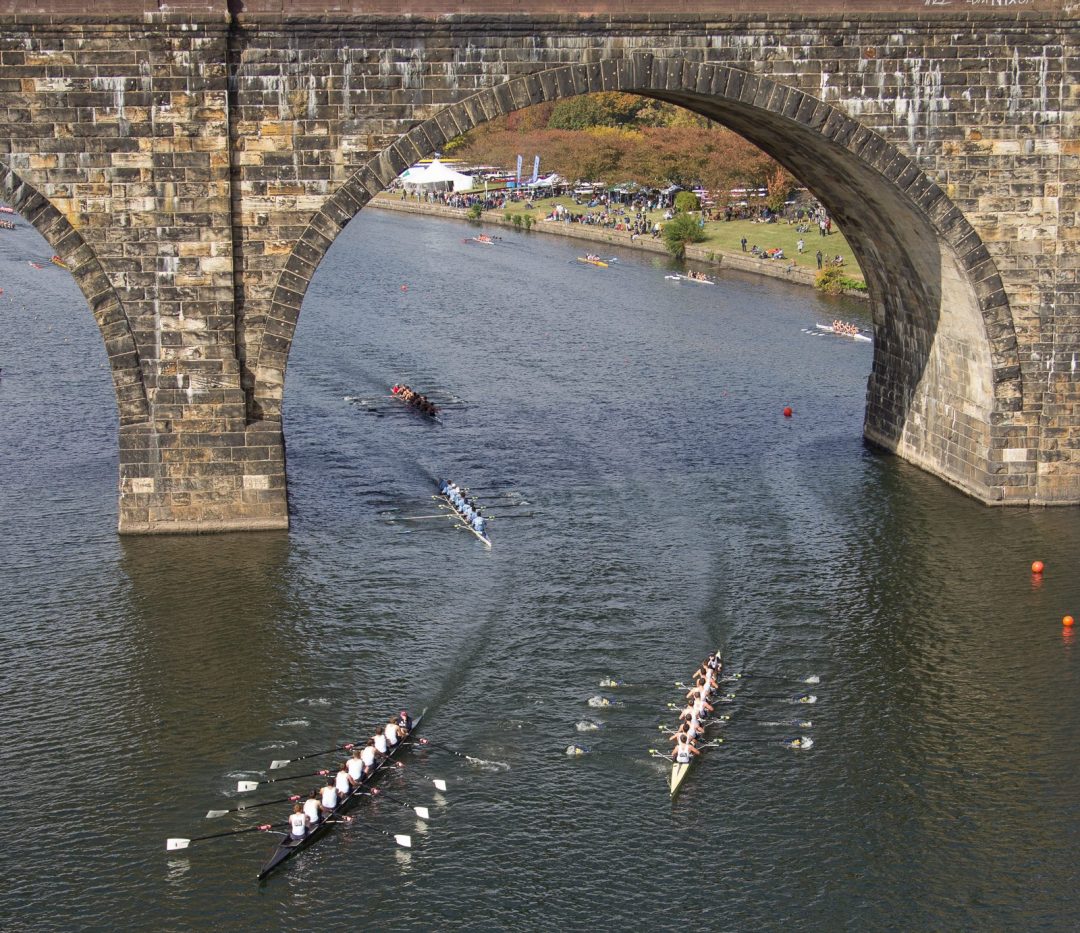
x,y
355,766
298,822
478,524
312,809
404,721
328,796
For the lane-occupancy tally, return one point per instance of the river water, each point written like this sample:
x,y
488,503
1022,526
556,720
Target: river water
x,y
654,505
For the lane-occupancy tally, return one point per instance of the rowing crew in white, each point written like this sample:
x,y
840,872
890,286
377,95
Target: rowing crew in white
x,y
692,717
466,508
321,802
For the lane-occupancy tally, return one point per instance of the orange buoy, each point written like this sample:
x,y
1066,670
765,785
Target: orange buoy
x,y
788,412
1037,567
1067,621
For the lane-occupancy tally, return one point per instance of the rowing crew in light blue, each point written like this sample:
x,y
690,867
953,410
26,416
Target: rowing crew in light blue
x,y
466,508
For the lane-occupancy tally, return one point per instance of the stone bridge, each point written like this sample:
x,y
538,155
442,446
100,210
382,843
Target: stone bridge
x,y
193,160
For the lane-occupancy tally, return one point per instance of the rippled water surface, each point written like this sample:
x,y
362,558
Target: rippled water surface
x,y
655,504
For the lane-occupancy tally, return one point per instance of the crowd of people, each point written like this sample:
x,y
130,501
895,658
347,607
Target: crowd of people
x,y
466,506
352,772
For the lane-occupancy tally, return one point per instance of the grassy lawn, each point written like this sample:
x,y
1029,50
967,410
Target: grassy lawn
x,y
725,236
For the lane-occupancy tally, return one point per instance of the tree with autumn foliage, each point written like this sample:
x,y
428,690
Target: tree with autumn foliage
x,y
614,137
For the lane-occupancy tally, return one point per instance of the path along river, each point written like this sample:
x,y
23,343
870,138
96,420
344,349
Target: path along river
x,y
673,510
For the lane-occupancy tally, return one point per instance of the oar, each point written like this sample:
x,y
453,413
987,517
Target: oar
x,y
282,762
428,742
213,814
811,679
173,844
439,783
421,812
244,786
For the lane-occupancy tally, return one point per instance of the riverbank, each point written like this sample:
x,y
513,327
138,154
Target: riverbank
x,y
707,254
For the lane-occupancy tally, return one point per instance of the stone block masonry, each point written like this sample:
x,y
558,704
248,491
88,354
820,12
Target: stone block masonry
x,y
193,161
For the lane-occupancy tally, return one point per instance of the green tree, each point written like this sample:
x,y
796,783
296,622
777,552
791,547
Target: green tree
x,y
686,201
678,232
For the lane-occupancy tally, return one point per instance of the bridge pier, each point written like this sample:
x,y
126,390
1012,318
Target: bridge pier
x,y
200,466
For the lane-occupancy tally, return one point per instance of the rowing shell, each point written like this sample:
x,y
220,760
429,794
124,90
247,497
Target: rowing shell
x,y
839,333
679,770
415,405
289,846
463,520
687,278
593,262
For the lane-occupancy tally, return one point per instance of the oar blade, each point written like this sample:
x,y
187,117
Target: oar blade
x,y
171,845
214,814
422,812
244,786
812,679
403,840
439,783
280,763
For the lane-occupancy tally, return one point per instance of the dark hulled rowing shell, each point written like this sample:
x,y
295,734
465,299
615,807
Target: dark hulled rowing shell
x,y
288,847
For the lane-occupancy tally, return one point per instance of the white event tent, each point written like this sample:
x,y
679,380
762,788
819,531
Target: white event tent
x,y
435,174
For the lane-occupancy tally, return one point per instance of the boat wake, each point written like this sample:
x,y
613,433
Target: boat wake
x,y
314,701
587,725
292,723
274,745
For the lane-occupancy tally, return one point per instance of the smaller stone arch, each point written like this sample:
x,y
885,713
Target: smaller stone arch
x,y
105,304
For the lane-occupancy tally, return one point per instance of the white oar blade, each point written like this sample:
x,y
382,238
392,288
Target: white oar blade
x,y
439,783
422,812
404,841
812,679
214,814
274,765
807,742
244,786
171,845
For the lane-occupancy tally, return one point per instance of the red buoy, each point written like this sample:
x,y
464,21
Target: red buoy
x,y
1037,567
1068,621
788,412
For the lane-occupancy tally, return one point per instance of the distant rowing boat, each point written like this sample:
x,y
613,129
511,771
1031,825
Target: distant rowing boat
x,y
828,328
688,278
480,238
417,402
289,846
593,262
462,520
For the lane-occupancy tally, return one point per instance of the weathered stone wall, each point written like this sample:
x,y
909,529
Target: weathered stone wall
x,y
195,170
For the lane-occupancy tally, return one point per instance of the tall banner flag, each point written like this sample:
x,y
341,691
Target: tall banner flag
x,y
536,170
519,172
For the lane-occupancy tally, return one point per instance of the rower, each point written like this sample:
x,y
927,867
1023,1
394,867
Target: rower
x,y
298,822
367,754
343,781
390,730
328,797
312,809
684,748
379,741
404,721
355,766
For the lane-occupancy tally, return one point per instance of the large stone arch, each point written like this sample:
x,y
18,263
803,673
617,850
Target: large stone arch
x,y
946,376
108,311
